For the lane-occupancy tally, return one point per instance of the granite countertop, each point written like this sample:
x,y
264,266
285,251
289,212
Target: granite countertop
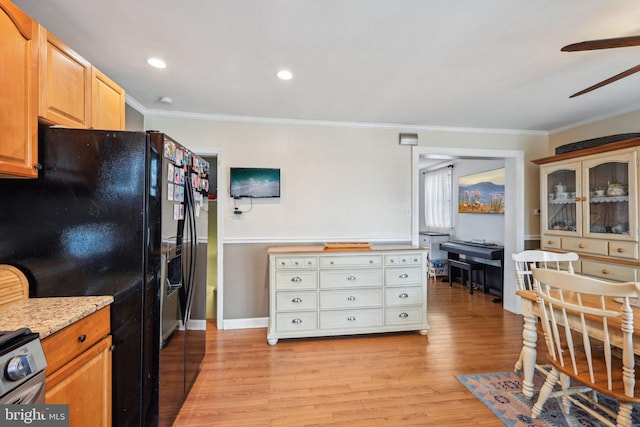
x,y
48,315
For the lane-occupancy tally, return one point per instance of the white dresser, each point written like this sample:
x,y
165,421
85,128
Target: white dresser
x,y
322,292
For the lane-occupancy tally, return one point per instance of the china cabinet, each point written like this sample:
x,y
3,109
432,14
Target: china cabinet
x,y
589,206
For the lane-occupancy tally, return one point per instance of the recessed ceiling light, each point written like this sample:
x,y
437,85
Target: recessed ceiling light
x,y
156,63
166,100
284,75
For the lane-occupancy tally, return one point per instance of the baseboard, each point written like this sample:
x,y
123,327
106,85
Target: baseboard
x,y
256,322
194,325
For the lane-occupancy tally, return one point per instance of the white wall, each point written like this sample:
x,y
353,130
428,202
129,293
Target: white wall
x,y
337,183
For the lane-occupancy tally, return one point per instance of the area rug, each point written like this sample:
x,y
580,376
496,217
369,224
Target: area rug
x,y
501,392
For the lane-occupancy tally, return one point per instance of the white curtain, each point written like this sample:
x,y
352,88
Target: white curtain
x,y
438,200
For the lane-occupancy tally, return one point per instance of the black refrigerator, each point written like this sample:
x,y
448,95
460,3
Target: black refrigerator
x,y
123,214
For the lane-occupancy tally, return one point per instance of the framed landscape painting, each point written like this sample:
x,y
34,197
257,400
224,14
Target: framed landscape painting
x,y
482,192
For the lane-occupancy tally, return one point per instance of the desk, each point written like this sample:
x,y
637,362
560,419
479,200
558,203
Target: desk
x,y
482,252
530,336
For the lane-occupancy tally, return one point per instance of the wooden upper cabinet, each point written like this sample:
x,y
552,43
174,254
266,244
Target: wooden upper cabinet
x,y
107,104
73,92
65,84
19,95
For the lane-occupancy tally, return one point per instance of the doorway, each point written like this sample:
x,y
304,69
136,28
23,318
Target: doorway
x,y
514,197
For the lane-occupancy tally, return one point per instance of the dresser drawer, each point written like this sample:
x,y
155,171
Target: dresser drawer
x,y
350,278
296,262
303,321
614,272
355,298
551,242
403,296
296,280
403,259
395,316
66,344
351,319
351,261
291,301
628,250
591,246
402,276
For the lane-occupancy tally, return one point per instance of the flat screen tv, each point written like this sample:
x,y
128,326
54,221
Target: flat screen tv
x,y
254,182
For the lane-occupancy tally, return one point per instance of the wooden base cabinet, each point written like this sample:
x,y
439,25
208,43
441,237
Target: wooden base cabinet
x,y
79,370
323,293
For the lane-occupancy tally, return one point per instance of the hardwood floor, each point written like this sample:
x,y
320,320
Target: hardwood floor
x,y
396,379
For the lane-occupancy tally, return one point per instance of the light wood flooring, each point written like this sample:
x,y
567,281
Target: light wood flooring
x,y
396,379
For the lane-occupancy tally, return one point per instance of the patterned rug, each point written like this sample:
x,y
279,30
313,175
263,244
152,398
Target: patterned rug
x,y
501,392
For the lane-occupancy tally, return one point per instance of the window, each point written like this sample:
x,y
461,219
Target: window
x,y
438,198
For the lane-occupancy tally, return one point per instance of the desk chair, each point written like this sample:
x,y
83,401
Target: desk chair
x,y
589,323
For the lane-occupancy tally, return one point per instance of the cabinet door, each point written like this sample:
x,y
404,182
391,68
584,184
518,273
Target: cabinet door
x,y
610,182
561,193
19,83
107,104
85,385
65,83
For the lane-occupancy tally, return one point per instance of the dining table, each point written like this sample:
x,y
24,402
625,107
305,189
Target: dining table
x,y
531,313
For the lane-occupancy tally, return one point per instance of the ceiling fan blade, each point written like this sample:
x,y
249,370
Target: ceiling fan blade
x,y
607,81
603,44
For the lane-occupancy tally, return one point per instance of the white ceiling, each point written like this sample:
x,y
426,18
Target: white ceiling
x,y
493,64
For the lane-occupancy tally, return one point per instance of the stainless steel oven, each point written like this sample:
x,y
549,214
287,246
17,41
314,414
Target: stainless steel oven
x,y
22,362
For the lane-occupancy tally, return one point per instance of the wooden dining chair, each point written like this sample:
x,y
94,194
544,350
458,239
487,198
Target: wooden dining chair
x,y
589,323
525,260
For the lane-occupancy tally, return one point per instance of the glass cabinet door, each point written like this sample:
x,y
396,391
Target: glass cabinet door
x,y
561,186
610,182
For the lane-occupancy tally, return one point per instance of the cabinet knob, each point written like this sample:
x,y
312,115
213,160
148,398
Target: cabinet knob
x,y
296,321
37,166
82,338
296,279
296,300
403,295
351,278
403,276
351,298
620,250
351,318
605,271
403,315
581,245
549,242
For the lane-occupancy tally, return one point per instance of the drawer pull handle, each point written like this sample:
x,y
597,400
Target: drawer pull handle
x,y
296,279
581,245
351,318
296,263
403,295
403,315
296,300
296,321
549,242
605,271
351,298
331,262
403,276
392,260
351,278
620,250
82,338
